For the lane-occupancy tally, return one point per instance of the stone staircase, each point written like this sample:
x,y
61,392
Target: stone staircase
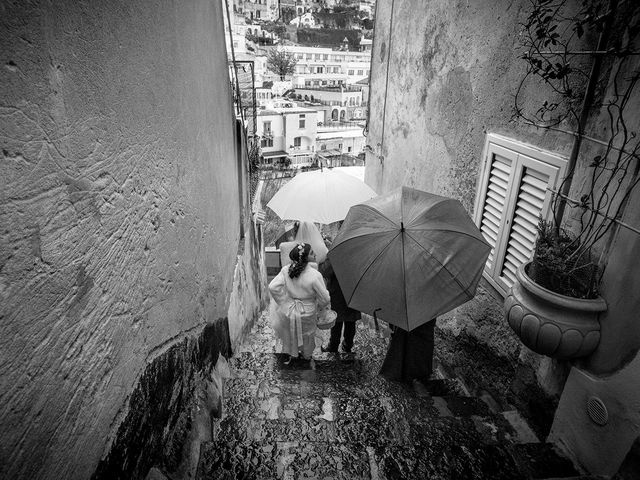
x,y
337,419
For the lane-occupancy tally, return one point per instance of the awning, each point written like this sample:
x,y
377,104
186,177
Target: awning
x,y
277,153
329,153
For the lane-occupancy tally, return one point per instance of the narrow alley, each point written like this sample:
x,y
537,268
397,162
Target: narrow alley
x,y
336,418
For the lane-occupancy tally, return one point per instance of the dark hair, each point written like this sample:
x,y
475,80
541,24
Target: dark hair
x,y
299,255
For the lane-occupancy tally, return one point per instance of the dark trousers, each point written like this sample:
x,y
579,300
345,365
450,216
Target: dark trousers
x,y
336,333
410,354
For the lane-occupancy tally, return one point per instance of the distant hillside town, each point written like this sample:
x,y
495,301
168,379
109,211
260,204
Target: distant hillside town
x,y
300,74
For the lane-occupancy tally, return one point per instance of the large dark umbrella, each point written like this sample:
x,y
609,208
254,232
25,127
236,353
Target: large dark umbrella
x,y
409,256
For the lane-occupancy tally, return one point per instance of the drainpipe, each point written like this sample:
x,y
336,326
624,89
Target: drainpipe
x,y
585,110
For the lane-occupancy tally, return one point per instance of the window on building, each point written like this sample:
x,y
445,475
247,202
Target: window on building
x,y
348,149
297,141
336,69
307,83
257,13
266,142
360,72
513,192
325,56
324,82
339,146
320,70
323,146
350,72
316,83
301,120
266,128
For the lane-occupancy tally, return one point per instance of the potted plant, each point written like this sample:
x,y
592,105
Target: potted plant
x,y
573,54
554,305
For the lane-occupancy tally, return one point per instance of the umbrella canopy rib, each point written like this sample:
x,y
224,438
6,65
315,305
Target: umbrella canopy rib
x,y
454,277
404,272
369,266
457,232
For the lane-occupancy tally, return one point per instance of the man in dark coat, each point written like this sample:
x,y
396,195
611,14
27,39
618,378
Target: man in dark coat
x,y
410,354
346,319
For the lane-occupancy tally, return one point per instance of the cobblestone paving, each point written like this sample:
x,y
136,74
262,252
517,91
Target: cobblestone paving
x,y
336,418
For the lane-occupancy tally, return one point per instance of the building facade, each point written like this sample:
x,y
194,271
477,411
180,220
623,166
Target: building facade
x,y
324,66
287,131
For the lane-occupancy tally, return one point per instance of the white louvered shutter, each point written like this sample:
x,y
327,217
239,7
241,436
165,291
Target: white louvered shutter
x,y
522,236
514,194
495,200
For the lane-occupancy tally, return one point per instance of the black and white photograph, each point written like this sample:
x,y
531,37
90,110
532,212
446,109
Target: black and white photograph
x,y
320,239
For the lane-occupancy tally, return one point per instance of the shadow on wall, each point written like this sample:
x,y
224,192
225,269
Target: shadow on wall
x,y
164,405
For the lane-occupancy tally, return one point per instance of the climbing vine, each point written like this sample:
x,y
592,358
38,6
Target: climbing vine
x,y
586,54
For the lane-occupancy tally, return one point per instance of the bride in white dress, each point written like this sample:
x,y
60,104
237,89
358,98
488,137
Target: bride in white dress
x,y
299,292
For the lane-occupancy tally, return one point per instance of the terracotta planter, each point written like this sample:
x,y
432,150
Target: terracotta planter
x,y
552,324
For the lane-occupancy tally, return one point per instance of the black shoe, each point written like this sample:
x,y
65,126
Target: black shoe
x,y
329,350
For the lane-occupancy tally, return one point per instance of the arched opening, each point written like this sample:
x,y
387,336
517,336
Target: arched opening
x,y
343,114
306,97
334,115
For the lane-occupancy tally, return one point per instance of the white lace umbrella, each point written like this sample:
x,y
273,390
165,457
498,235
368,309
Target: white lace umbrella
x,y
321,196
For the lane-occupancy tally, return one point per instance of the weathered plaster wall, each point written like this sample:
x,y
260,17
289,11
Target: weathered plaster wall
x,y
435,97
249,295
119,213
599,448
620,330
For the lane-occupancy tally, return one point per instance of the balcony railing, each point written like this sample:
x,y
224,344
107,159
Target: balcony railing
x,y
341,126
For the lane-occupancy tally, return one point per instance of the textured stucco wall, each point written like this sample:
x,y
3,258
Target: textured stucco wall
x,y
119,212
600,449
620,330
448,86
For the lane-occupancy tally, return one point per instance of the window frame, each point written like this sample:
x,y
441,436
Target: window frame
x,y
522,156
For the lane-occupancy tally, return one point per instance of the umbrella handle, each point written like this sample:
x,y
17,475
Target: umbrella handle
x,y
375,319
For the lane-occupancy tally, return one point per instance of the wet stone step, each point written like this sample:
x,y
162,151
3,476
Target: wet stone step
x,y
276,460
542,461
457,406
376,429
270,366
310,383
270,402
439,387
459,461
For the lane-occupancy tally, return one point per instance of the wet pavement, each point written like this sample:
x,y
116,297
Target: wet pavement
x,y
336,418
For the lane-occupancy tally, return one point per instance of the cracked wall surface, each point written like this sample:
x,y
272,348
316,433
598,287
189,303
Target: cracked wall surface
x,y
118,209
